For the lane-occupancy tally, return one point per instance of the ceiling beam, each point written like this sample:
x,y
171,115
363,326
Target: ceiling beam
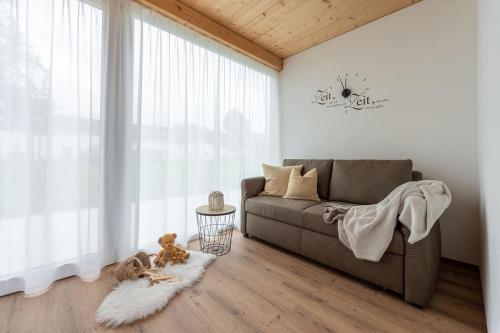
x,y
192,19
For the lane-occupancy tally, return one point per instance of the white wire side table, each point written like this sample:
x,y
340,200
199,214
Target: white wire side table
x,y
215,229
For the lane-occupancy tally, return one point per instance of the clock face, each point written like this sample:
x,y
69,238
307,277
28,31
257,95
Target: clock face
x,y
348,91
352,90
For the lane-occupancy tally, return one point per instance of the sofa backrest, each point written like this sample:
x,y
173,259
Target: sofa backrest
x,y
358,181
367,181
324,169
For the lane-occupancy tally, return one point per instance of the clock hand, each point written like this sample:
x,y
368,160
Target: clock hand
x,y
341,82
345,83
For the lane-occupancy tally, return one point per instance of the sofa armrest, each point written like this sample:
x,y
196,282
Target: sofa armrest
x,y
250,187
421,270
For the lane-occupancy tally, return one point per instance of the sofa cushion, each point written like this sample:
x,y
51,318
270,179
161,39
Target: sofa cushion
x,y
367,181
283,210
312,219
277,178
324,169
303,187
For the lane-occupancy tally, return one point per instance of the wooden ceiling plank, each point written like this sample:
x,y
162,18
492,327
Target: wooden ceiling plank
x,y
299,24
295,23
205,25
226,12
254,11
261,9
339,15
208,8
269,19
234,14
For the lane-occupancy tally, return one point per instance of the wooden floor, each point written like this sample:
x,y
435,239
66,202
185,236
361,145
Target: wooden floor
x,y
260,288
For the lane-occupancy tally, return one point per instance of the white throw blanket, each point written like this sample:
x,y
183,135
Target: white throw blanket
x,y
368,229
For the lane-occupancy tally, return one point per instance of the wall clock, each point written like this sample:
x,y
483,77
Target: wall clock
x,y
354,90
349,91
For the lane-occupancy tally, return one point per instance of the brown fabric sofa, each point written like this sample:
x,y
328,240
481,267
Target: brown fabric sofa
x,y
297,225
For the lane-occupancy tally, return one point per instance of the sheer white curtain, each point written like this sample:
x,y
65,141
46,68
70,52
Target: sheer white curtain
x,y
115,123
50,141
206,117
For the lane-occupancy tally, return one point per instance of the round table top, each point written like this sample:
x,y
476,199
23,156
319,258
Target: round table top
x,y
203,210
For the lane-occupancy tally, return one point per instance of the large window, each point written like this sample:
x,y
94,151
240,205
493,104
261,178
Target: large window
x,y
204,117
50,131
115,123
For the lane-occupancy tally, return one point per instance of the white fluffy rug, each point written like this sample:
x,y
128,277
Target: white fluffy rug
x,y
132,300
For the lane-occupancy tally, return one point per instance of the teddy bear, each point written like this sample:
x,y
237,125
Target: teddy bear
x,y
133,267
139,266
170,252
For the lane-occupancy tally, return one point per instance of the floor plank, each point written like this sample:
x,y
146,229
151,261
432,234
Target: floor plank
x,y
258,287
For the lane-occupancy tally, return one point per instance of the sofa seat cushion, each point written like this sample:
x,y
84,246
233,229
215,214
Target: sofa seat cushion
x,y
312,218
284,210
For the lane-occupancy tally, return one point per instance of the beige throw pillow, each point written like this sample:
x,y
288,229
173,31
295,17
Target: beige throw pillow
x,y
277,179
303,187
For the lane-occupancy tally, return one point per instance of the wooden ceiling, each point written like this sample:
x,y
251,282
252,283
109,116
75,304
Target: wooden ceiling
x,y
271,30
287,27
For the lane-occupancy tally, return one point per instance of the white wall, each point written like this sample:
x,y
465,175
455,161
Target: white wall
x,y
488,80
422,59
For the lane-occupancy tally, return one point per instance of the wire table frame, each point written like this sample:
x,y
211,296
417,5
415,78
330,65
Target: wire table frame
x,y
215,229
